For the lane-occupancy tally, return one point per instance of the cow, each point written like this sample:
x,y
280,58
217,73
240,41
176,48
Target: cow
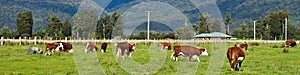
x,y
66,47
165,45
51,47
235,57
90,47
34,50
190,51
103,47
124,47
291,43
244,46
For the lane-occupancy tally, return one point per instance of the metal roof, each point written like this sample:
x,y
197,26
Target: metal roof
x,y
213,34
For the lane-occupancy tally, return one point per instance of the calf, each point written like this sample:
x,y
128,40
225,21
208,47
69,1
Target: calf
x,y
51,47
235,56
190,51
90,47
103,47
124,47
291,43
66,47
244,46
34,50
165,45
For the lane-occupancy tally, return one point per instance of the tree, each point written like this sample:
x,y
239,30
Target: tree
x,y
227,22
117,24
184,32
67,29
202,26
276,22
85,23
109,26
24,23
244,30
215,25
5,32
102,27
53,26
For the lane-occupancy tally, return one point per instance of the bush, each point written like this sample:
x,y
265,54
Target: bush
x,y
254,44
275,46
285,50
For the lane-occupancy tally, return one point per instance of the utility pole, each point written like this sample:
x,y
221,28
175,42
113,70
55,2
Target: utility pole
x,y
254,29
148,26
286,28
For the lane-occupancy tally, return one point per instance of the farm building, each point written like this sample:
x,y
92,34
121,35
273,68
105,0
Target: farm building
x,y
212,36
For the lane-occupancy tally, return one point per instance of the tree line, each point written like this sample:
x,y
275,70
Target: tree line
x,y
270,27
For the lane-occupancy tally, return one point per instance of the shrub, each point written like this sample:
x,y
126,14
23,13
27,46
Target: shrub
x,y
254,44
285,50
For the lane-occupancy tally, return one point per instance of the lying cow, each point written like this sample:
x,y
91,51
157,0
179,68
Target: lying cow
x,y
244,46
103,47
235,56
90,47
34,50
165,45
51,47
190,51
291,43
66,47
124,47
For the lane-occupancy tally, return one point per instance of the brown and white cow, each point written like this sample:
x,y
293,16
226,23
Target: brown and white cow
x,y
90,47
66,47
235,56
103,47
245,46
51,47
124,47
165,45
190,51
291,43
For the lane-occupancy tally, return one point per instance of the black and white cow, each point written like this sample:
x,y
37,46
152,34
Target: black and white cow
x,y
34,50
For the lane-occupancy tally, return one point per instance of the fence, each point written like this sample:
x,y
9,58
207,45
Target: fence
x,y
35,41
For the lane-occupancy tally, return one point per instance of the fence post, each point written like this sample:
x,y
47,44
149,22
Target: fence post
x,y
2,41
66,39
20,39
34,40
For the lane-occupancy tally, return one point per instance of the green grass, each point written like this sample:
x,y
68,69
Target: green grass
x,y
262,59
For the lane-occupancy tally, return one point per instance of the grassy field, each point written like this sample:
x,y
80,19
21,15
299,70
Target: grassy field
x,y
149,59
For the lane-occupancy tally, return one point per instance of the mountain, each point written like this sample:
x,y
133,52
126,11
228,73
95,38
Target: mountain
x,y
241,10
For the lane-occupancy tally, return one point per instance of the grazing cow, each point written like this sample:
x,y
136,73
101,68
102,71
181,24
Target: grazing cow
x,y
291,43
51,47
34,50
66,47
165,45
244,46
190,51
235,56
90,47
124,47
103,47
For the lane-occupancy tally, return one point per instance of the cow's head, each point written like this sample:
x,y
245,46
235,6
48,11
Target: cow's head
x,y
203,52
60,47
131,47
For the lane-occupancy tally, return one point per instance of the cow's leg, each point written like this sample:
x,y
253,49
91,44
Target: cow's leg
x,y
118,52
123,52
102,51
162,47
232,64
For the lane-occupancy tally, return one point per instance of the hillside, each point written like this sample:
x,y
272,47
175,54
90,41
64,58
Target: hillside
x,y
241,10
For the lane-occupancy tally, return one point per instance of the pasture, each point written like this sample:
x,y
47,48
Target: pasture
x,y
261,59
